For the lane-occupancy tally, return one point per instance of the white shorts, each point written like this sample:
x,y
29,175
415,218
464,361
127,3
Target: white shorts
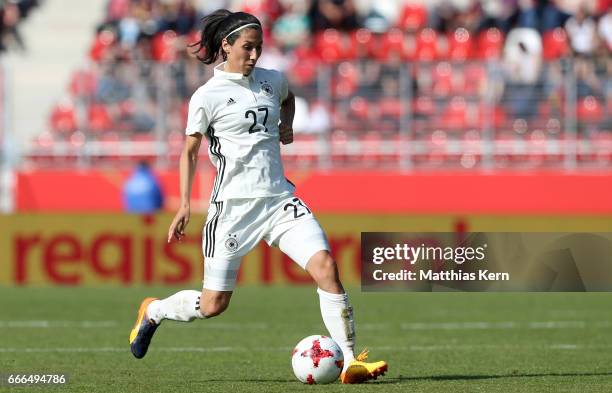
x,y
234,227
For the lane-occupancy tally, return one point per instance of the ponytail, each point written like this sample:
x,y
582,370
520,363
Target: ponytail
x,y
216,27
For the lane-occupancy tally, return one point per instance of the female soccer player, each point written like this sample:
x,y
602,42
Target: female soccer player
x,y
243,111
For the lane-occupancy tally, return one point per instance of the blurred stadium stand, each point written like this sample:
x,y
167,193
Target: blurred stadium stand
x,y
470,84
54,44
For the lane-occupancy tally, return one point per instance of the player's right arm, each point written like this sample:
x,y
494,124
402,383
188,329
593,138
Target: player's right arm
x,y
187,168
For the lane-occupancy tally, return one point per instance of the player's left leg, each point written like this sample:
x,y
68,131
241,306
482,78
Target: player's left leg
x,y
298,234
336,311
338,318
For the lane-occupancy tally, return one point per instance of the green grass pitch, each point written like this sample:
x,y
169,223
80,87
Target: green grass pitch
x,y
434,342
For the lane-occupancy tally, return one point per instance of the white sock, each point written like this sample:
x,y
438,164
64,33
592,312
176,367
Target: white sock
x,y
338,318
183,306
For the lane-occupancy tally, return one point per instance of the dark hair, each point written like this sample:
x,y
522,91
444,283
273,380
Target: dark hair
x,y
216,26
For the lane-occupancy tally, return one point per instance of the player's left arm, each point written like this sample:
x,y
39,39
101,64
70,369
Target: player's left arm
x,y
287,111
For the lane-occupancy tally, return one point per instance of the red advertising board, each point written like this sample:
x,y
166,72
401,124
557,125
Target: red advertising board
x,y
123,249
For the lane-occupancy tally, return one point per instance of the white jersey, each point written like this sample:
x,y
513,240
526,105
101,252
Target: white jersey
x,y
239,116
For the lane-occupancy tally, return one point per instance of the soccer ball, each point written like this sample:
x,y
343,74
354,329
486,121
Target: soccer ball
x,y
317,359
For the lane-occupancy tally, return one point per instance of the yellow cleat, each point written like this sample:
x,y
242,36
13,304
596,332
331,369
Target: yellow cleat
x,y
141,334
360,371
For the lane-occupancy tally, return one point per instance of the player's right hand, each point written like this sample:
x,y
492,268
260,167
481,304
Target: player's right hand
x,y
179,223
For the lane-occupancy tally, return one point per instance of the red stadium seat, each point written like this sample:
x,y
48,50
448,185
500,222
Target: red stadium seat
x,y
388,114
550,110
329,46
44,140
77,139
362,44
304,72
359,108
358,116
454,116
410,46
304,69
101,45
442,79
490,44
412,17
99,118
459,45
471,140
390,45
472,115
63,118
263,9
475,76
390,107
83,83
555,44
499,116
164,47
127,108
426,45
590,110
345,84
423,106
338,116
553,127
493,117
118,9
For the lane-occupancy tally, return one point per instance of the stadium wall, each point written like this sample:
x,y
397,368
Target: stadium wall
x,y
70,228
540,192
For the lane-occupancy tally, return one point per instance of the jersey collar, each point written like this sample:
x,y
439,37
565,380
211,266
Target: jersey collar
x,y
218,72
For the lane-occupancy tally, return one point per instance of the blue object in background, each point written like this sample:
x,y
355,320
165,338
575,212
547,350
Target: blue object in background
x,y
141,192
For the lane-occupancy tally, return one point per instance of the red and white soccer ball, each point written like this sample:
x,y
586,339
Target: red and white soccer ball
x,y
317,359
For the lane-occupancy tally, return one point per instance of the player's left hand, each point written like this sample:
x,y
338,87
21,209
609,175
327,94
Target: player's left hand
x,y
286,134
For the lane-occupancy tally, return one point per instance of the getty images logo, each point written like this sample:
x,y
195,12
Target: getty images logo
x,y
412,254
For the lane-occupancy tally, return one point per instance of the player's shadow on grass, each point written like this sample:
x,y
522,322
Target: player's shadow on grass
x,y
402,378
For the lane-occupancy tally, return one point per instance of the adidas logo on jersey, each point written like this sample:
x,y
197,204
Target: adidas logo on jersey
x,y
230,102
